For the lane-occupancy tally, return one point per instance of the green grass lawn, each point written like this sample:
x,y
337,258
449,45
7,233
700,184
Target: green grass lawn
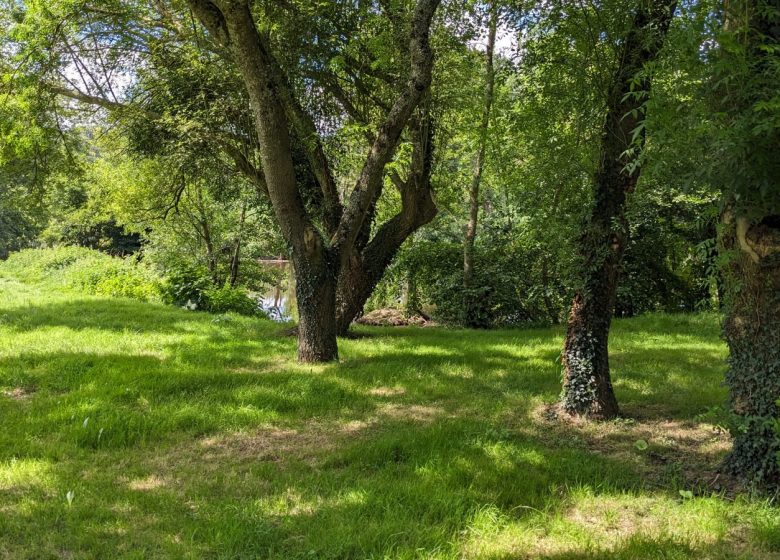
x,y
188,435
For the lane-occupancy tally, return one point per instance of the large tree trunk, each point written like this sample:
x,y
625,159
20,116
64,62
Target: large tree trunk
x,y
752,331
587,387
315,290
231,23
749,238
358,280
471,311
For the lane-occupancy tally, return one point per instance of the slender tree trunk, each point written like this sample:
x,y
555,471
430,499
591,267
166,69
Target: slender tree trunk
x,y
587,386
211,254
411,296
471,310
235,261
752,331
551,311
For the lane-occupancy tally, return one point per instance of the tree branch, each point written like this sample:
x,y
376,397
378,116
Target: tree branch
x,y
389,132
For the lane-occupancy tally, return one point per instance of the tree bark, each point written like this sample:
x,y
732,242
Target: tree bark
x,y
749,249
315,290
231,24
587,386
471,310
752,331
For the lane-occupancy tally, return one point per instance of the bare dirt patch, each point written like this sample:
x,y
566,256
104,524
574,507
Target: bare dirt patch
x,y
19,393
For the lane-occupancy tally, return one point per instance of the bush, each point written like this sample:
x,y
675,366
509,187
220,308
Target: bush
x,y
114,277
96,273
186,285
229,298
506,290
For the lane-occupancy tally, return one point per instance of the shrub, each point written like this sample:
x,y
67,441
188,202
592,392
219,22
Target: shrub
x,y
504,290
114,277
229,298
186,284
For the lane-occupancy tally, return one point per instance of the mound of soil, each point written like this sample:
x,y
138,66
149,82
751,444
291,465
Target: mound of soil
x,y
393,318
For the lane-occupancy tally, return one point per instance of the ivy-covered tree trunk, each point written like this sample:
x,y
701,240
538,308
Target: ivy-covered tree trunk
x,y
745,97
315,290
752,331
587,386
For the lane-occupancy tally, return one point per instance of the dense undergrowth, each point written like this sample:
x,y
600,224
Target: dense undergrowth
x,y
140,430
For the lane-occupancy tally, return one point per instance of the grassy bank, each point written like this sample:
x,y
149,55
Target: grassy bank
x,y
136,430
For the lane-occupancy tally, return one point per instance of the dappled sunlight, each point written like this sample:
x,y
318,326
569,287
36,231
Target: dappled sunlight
x,y
149,483
418,439
592,523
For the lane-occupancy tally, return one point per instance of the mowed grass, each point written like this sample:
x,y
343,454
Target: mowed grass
x,y
188,435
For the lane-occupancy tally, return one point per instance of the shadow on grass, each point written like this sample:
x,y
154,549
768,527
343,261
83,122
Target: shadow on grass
x,y
213,442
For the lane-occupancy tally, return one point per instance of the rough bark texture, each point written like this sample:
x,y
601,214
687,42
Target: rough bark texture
x,y
472,310
363,197
587,387
316,297
365,268
752,331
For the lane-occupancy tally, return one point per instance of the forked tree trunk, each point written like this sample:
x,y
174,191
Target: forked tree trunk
x,y
752,331
368,263
587,386
358,280
317,256
471,313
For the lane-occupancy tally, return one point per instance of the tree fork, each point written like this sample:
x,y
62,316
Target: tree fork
x,y
367,264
